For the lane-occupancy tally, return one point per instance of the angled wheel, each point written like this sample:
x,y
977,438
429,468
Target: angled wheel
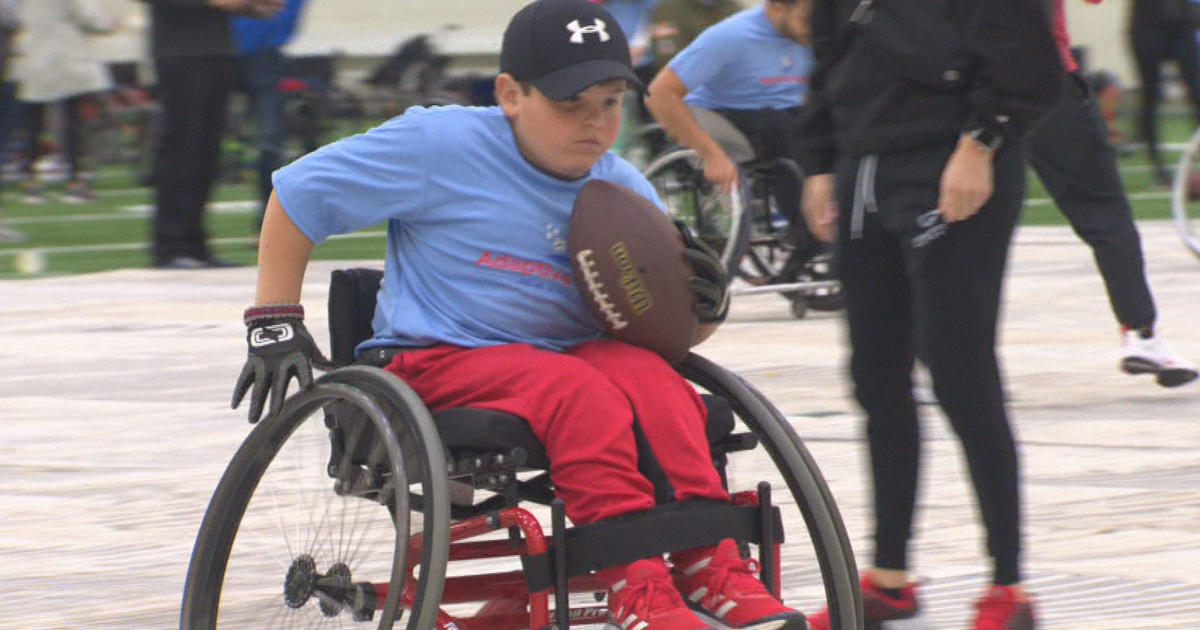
x,y
1185,195
721,220
818,569
311,523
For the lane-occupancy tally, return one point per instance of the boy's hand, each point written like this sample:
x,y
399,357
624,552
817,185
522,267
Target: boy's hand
x,y
709,285
280,347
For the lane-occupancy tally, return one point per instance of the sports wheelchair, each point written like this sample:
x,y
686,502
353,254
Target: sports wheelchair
x,y
355,506
745,227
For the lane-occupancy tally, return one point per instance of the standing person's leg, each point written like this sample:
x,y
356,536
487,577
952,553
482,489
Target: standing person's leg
x,y
193,93
8,102
1148,52
76,188
261,72
176,166
1186,53
221,75
957,275
1070,152
35,117
879,314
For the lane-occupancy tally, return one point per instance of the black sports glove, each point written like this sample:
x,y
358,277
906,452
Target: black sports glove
x,y
280,347
709,285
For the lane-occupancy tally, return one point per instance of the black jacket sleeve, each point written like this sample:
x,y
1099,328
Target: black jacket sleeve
x,y
815,136
1020,74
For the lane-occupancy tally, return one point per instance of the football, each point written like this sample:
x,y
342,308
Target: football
x,y
627,260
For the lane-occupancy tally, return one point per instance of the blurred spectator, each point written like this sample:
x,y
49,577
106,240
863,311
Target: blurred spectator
x,y
1162,30
634,18
9,22
675,23
259,43
57,67
195,63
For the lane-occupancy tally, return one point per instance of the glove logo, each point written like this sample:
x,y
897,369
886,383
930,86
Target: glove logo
x,y
272,334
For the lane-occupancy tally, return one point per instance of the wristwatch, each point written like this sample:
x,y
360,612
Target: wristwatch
x,y
989,137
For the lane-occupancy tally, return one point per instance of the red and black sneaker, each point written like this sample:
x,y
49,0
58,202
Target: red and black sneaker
x,y
1003,609
724,586
645,599
882,611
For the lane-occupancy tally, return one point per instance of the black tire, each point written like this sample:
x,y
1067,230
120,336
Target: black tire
x,y
278,488
830,543
722,221
1185,198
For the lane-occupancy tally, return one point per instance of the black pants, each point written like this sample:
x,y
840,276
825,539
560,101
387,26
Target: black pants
x,y
773,135
1154,43
915,286
194,93
1070,152
35,124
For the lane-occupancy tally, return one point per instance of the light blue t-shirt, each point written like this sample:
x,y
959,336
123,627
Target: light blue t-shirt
x,y
742,62
477,236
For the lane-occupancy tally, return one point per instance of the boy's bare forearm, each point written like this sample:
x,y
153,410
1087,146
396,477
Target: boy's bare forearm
x,y
283,256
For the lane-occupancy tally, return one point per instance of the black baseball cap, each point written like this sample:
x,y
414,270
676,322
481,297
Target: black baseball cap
x,y
564,47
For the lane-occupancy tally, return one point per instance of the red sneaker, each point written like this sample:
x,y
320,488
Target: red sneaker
x,y
725,586
1000,609
880,610
645,599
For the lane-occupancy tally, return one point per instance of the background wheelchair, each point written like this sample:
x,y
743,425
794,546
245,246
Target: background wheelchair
x,y
745,227
1185,195
355,506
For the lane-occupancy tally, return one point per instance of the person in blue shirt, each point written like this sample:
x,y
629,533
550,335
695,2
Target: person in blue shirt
x,y
259,45
751,68
477,307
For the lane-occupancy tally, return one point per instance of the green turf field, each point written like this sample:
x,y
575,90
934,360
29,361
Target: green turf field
x,y
113,232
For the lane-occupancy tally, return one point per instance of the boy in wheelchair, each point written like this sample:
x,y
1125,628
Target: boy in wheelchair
x,y
745,79
463,189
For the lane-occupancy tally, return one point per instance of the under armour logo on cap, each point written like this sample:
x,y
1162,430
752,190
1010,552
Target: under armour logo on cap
x,y
577,32
563,47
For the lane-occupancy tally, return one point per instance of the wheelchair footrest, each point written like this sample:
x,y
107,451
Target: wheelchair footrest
x,y
666,528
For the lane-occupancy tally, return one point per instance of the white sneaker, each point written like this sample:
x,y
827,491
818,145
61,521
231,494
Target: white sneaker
x,y
1153,356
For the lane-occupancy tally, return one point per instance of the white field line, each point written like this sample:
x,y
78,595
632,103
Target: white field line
x,y
139,211
113,247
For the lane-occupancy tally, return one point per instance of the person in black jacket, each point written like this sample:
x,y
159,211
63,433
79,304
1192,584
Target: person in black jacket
x,y
914,160
195,66
1162,30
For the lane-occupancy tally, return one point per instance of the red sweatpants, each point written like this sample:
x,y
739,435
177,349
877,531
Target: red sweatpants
x,y
581,405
